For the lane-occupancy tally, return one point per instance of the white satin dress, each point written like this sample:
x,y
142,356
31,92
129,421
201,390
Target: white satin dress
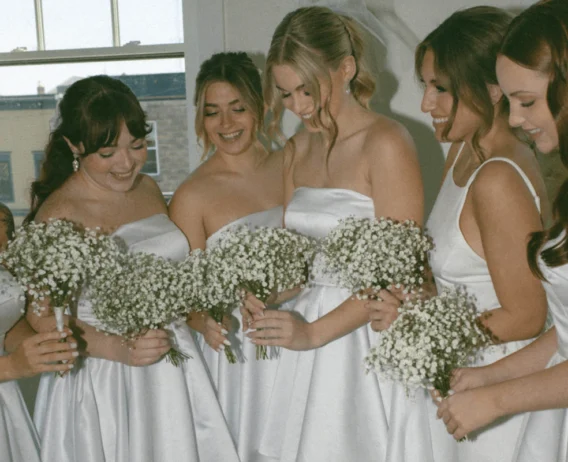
x,y
324,407
18,438
243,388
105,411
454,263
544,434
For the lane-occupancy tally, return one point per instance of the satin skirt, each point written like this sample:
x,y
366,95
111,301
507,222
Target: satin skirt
x,y
494,443
18,438
244,388
105,411
324,407
544,434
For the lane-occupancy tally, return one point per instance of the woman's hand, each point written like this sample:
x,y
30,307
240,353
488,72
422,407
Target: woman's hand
x,y
214,333
42,352
251,309
468,411
282,328
146,349
384,310
468,378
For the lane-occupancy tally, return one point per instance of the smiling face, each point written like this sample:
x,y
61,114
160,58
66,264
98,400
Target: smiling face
x,y
526,90
229,125
297,98
438,102
115,167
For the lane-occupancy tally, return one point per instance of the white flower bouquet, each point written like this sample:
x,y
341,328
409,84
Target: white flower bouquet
x,y
262,261
138,292
428,340
366,255
52,260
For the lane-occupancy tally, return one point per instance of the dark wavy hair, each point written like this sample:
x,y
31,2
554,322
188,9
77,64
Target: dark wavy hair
x,y
537,39
91,112
465,48
238,70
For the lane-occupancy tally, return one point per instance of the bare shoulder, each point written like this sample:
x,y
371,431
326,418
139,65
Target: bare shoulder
x,y
387,139
59,205
194,189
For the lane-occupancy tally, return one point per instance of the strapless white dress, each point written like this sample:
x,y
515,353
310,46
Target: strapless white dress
x,y
544,434
105,411
324,407
243,388
18,437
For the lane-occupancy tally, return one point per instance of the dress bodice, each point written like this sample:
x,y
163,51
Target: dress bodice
x,y
316,211
156,234
453,261
556,287
271,218
11,304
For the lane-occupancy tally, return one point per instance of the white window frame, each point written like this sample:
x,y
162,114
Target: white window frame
x,y
153,135
204,34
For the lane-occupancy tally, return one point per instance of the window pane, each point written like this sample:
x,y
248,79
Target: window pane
x,y
17,26
150,21
26,116
6,184
77,24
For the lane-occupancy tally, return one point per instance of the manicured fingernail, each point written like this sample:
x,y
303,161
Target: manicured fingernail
x,y
75,354
63,334
252,340
221,348
73,345
70,366
439,399
226,342
224,331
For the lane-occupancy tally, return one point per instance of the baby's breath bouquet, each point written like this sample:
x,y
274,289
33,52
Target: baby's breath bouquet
x,y
261,261
428,340
366,255
139,292
52,260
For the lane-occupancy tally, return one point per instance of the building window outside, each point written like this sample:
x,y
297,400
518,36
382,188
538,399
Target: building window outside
x,y
38,160
152,165
6,183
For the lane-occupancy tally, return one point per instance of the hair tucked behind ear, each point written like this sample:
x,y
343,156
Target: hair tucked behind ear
x,y
314,41
92,112
538,39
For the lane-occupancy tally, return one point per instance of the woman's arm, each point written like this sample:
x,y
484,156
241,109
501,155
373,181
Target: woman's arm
x,y
505,213
396,187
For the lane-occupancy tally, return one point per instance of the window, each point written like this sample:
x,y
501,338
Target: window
x,y
152,165
38,159
6,184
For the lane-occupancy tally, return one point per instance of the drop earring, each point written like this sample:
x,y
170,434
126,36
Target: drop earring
x,y
348,89
75,163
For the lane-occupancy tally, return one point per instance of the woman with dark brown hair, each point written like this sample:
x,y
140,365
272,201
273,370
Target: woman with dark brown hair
x,y
532,69
123,401
489,202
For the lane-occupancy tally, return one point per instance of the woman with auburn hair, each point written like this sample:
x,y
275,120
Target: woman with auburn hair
x,y
123,401
239,183
345,161
532,71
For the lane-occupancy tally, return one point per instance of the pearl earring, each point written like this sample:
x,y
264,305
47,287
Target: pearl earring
x,y
347,89
75,163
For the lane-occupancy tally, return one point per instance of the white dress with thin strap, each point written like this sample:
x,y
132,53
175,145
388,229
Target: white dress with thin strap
x,y
324,407
18,437
544,435
105,411
243,388
454,263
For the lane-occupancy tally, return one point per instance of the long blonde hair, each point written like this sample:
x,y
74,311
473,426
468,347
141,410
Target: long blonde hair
x,y
313,41
238,70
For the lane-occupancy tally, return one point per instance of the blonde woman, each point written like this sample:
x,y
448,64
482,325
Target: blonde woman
x,y
239,183
345,161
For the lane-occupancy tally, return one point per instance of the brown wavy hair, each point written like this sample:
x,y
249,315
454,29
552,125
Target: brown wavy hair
x,y
465,48
537,39
313,41
238,70
91,112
